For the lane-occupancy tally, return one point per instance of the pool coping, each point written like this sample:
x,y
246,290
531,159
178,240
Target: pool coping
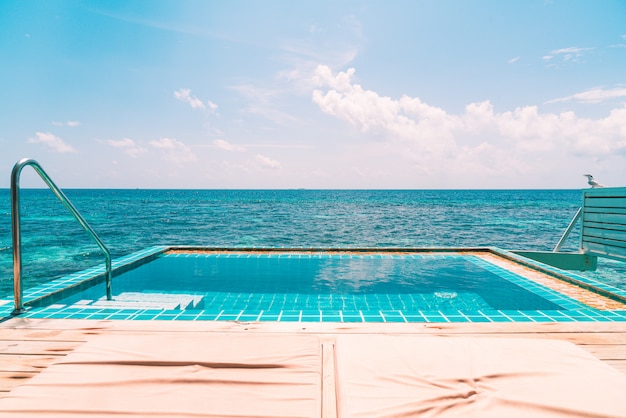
x,y
39,296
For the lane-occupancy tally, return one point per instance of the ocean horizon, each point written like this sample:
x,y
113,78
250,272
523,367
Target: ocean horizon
x,y
128,220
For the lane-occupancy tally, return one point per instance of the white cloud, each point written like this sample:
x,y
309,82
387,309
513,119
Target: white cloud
x,y
69,123
52,141
421,131
227,146
129,146
184,95
596,95
267,162
174,150
572,54
513,60
261,103
407,119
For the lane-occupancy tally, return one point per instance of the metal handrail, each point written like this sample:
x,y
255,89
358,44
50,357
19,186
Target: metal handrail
x,y
568,231
17,234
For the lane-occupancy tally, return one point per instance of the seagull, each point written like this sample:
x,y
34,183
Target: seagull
x,y
592,182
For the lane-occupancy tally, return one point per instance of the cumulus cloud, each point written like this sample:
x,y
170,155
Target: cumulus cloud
x,y
407,118
267,162
184,95
52,141
128,146
596,95
428,131
227,146
174,150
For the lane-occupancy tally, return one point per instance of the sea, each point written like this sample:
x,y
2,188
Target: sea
x,y
54,244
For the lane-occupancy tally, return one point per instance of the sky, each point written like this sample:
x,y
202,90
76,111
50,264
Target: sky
x,y
417,94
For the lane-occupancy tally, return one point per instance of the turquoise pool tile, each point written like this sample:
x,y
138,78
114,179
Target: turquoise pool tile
x,y
207,316
249,317
99,315
435,317
72,309
591,314
270,316
478,318
578,314
187,317
228,317
495,316
290,318
57,315
414,317
612,314
372,317
351,318
78,315
166,317
119,316
457,318
144,317
310,312
393,316
291,312
500,319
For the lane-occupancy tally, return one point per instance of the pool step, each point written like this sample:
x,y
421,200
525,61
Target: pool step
x,y
137,300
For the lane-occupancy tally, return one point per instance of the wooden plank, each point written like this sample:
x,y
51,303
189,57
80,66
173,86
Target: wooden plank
x,y
329,392
620,365
604,234
325,328
614,211
614,227
606,352
21,359
611,251
610,244
9,380
604,217
37,347
494,328
138,327
615,339
605,191
607,201
26,363
43,334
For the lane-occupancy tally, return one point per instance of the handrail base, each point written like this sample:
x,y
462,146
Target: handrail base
x,y
17,312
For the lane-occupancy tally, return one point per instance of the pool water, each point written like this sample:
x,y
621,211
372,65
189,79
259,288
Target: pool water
x,y
258,282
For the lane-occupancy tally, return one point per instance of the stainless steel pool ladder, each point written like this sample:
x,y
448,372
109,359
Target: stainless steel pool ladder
x,y
17,235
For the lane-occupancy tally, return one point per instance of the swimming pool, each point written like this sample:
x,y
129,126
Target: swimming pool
x,y
311,285
243,281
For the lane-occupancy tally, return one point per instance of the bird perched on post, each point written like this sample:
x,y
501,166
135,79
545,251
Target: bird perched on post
x,y
592,182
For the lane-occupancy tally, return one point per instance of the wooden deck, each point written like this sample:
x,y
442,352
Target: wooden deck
x,y
28,346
